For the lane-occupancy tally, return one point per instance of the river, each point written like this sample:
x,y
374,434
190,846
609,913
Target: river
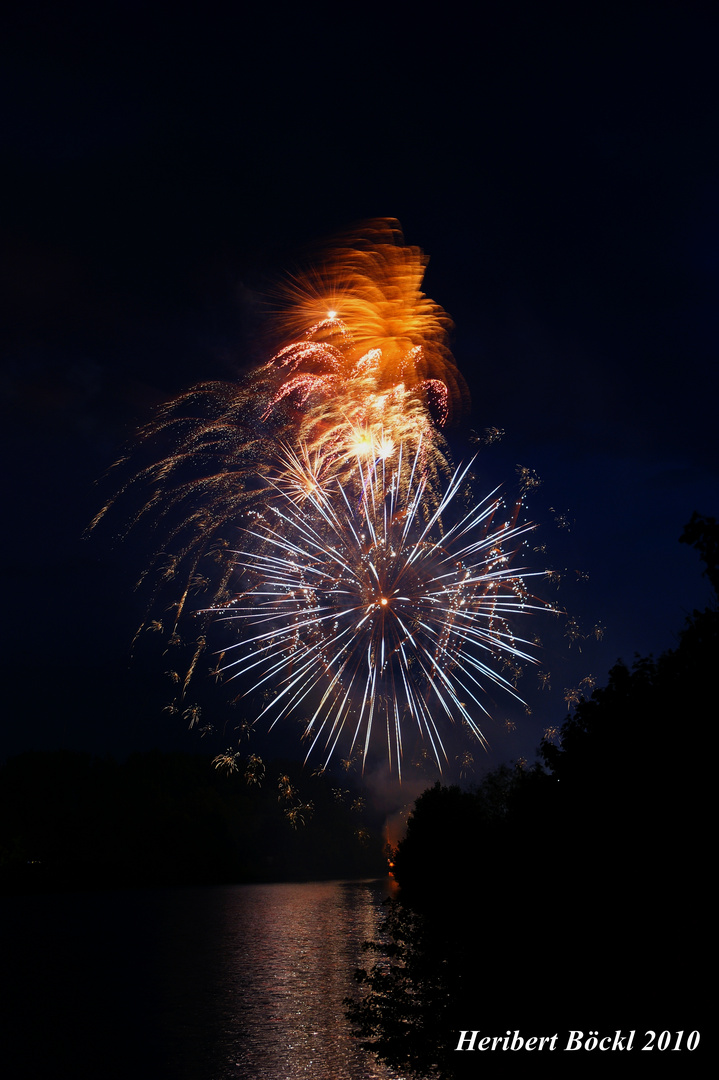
x,y
243,981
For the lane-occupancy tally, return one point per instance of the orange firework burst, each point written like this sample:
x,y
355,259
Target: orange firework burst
x,y
369,361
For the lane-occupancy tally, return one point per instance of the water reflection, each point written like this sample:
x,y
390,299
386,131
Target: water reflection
x,y
194,984
272,978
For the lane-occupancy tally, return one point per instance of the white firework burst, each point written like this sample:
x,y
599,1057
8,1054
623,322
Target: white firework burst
x,y
359,611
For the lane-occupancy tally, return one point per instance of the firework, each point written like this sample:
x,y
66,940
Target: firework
x,y
362,313
365,597
359,613
369,364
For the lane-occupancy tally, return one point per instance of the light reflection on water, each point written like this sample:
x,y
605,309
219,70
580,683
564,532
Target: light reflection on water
x,y
275,972
237,982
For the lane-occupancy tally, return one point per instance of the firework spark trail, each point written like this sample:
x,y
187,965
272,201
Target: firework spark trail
x,y
366,606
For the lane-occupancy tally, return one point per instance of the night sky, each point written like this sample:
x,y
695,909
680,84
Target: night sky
x,y
560,167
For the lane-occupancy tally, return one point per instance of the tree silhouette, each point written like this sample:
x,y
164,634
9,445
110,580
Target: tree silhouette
x,y
571,894
703,534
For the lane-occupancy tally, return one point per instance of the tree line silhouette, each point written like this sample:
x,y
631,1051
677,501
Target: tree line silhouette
x,y
569,895
69,820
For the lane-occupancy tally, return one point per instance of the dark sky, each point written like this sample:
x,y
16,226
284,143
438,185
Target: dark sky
x,y
558,163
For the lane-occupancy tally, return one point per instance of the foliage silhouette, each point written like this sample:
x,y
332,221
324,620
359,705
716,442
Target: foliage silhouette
x,y
566,896
68,820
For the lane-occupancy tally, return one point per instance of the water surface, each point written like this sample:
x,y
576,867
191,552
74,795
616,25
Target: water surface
x,y
191,984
